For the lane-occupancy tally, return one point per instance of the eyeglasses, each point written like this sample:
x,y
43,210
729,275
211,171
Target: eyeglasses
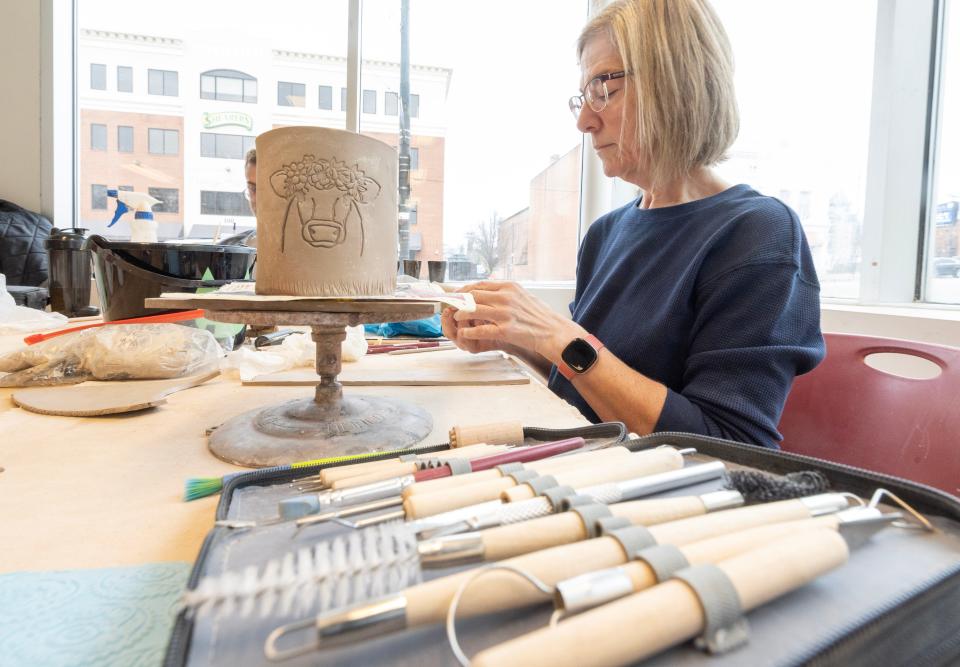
x,y
595,93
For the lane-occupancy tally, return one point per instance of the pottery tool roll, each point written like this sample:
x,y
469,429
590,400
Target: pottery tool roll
x,y
643,624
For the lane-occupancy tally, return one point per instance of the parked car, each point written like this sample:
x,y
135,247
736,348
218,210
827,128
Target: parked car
x,y
947,267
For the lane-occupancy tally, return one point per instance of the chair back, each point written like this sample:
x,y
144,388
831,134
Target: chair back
x,y
848,412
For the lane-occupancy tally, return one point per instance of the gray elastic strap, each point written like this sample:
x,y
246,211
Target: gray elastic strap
x,y
633,539
725,627
407,458
664,560
591,514
541,484
507,468
521,476
557,496
459,466
570,502
608,524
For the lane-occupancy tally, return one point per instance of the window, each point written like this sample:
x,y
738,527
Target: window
x,y
413,216
229,146
163,142
782,148
390,103
228,85
98,76
480,162
163,82
326,98
124,79
214,202
169,199
343,99
369,101
291,94
943,230
98,197
124,138
125,188
98,137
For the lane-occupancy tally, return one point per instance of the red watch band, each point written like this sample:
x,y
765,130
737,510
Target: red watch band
x,y
568,372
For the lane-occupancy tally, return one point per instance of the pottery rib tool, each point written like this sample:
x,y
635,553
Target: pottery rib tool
x,y
95,399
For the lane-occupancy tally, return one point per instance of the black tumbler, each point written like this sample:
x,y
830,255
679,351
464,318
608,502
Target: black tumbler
x,y
437,270
411,267
69,272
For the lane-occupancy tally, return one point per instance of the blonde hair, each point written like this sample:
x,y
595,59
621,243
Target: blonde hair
x,y
682,66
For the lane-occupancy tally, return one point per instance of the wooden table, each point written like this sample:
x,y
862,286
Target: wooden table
x,y
107,491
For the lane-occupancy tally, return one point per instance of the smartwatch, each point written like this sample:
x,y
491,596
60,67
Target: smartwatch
x,y
579,356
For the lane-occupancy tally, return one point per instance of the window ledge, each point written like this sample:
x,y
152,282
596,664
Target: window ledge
x,y
927,311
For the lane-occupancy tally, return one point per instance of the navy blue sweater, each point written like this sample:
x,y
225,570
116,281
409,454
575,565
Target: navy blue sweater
x,y
717,299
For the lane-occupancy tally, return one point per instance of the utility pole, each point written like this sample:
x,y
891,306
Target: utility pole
x,y
404,144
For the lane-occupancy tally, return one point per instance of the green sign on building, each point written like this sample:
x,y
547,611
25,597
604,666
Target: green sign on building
x,y
222,118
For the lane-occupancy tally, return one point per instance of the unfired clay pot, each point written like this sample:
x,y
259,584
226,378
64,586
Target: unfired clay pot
x,y
326,213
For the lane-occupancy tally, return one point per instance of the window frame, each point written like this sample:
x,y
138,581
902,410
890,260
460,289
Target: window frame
x,y
133,141
106,145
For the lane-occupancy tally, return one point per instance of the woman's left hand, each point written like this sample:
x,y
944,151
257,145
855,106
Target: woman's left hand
x,y
508,314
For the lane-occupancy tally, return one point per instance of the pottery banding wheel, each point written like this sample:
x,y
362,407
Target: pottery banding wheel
x,y
329,424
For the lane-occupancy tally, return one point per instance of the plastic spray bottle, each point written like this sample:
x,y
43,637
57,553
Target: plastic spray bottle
x,y
143,229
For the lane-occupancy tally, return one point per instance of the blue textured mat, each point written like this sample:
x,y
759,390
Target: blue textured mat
x,y
116,616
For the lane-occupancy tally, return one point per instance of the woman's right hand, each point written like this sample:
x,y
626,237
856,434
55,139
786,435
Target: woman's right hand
x,y
451,329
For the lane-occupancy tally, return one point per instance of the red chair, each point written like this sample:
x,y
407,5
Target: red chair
x,y
847,412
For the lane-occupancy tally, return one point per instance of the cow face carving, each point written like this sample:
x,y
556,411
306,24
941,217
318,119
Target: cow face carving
x,y
326,196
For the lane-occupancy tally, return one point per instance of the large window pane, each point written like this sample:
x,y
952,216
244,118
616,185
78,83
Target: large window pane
x,y
805,119
943,248
494,146
291,94
183,43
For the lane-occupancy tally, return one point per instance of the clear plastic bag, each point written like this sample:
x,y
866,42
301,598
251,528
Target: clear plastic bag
x,y
120,352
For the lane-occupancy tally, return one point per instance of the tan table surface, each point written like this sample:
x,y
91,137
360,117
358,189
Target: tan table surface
x,y
107,491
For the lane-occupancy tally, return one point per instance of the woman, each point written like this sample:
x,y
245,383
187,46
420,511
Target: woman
x,y
697,304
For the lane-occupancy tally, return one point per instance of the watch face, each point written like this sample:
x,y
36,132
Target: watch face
x,y
579,355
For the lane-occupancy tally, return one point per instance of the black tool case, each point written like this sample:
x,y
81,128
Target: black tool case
x,y
895,602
